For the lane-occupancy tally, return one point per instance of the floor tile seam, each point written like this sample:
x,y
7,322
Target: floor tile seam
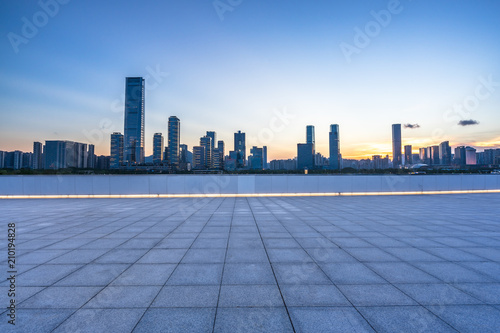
x,y
272,268
207,202
83,305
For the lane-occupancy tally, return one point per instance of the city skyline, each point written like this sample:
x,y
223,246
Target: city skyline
x,y
270,81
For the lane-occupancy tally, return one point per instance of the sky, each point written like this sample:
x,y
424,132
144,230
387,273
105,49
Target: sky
x,y
266,67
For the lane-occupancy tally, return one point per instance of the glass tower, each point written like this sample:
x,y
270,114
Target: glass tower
x,y
396,145
133,139
158,148
174,140
334,147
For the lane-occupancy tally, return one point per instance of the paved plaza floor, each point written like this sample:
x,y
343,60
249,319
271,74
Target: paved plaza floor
x,y
428,263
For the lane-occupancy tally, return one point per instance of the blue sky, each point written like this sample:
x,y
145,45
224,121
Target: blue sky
x,y
245,68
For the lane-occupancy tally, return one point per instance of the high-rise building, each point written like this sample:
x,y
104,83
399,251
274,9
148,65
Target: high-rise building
x,y
116,156
174,140
199,157
305,156
408,155
264,157
334,147
240,149
445,153
380,162
435,155
37,155
91,159
220,148
133,139
2,159
470,156
158,148
491,155
460,158
206,143
65,154
256,158
396,145
310,136
183,157
213,141
423,155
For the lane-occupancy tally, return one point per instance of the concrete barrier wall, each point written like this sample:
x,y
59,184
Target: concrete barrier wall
x,y
239,184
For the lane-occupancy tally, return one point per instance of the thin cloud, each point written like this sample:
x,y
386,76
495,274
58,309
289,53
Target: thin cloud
x,y
412,126
468,122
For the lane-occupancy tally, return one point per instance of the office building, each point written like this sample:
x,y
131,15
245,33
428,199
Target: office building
x,y
37,160
174,140
116,156
240,149
445,153
423,156
213,137
264,158
470,156
65,154
396,146
206,143
459,156
91,159
221,149
305,156
2,159
334,140
434,155
199,157
310,136
158,148
183,157
256,158
408,155
133,139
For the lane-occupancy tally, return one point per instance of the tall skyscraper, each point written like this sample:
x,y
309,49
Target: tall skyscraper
x,y
310,136
116,156
183,157
240,149
220,148
264,157
334,147
133,139
37,155
396,145
91,159
459,156
206,143
305,156
408,155
199,157
445,153
435,155
174,140
213,137
158,147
